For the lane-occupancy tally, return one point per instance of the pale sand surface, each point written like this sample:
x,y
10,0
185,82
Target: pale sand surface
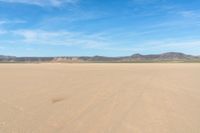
x,y
99,98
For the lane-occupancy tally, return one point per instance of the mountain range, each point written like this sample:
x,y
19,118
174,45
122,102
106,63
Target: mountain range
x,y
165,57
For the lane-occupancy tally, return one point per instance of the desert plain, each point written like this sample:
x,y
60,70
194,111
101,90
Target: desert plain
x,y
100,98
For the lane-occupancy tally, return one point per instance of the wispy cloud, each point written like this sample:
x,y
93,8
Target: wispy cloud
x,y
146,1
100,41
179,19
190,46
62,38
55,3
72,17
190,13
2,32
3,22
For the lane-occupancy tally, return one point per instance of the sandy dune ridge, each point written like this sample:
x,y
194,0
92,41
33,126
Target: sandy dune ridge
x,y
100,98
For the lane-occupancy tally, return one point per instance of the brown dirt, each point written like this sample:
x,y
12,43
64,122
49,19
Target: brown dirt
x,y
100,98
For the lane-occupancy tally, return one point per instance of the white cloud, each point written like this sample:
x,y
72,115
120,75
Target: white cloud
x,y
42,2
64,38
2,32
190,46
146,1
190,14
2,22
70,18
100,41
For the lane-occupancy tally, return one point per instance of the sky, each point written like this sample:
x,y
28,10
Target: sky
x,y
99,27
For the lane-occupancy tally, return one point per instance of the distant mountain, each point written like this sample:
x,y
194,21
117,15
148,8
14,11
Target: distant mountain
x,y
165,57
4,58
24,59
170,56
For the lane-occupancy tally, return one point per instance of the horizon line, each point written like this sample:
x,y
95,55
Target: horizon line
x,y
99,55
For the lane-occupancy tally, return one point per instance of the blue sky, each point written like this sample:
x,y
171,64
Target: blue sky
x,y
98,27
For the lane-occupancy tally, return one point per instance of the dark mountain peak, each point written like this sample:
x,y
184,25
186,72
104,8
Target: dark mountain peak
x,y
98,56
175,55
137,55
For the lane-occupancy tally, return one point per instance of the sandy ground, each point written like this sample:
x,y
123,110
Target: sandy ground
x,y
99,98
